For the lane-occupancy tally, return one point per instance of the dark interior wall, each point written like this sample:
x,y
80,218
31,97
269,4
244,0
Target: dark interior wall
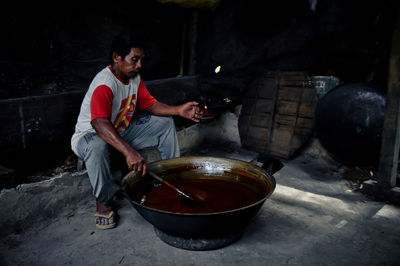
x,y
46,50
50,53
60,46
36,131
349,39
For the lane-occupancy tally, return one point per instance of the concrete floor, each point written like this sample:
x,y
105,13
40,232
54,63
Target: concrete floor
x,y
312,218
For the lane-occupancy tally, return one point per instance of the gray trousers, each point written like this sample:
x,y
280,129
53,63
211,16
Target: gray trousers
x,y
148,131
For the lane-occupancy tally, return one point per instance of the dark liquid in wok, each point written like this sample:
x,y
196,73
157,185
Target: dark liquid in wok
x,y
221,196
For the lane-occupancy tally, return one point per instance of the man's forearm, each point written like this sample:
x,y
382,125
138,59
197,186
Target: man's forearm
x,y
162,109
189,110
107,132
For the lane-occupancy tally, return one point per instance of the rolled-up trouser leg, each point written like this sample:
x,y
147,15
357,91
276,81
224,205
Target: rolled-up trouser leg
x,y
153,131
96,154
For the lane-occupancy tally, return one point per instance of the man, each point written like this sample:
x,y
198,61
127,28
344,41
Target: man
x,y
106,123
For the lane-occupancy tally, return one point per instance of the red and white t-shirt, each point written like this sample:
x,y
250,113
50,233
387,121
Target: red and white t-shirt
x,y
110,97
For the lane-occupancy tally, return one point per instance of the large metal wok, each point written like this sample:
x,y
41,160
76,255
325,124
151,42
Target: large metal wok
x,y
205,224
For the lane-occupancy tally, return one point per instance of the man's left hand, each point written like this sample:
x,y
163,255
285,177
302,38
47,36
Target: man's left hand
x,y
190,110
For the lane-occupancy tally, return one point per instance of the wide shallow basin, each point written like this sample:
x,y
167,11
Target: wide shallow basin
x,y
186,223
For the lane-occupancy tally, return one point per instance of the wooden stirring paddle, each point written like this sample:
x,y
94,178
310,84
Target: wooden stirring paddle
x,y
198,197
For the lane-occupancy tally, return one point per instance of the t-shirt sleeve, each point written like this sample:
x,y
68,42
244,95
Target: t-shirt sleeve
x,y
101,102
145,99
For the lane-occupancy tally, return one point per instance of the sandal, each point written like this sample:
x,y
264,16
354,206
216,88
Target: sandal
x,y
105,221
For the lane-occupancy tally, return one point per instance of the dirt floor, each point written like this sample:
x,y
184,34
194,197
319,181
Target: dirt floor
x,y
314,217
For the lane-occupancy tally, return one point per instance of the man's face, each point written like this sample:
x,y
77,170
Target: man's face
x,y
131,65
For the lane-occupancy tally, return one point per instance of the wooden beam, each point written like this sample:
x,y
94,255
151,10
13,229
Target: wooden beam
x,y
389,154
192,42
181,69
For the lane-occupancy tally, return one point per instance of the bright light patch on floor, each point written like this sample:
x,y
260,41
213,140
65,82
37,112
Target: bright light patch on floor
x,y
324,202
388,211
341,224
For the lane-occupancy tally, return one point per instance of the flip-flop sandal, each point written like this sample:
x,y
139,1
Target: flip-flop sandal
x,y
105,221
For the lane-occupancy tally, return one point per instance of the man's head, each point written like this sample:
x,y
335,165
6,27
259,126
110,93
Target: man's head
x,y
127,52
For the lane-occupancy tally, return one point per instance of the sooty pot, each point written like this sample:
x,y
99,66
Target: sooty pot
x,y
201,225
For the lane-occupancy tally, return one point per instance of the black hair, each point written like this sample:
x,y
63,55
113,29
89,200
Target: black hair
x,y
123,42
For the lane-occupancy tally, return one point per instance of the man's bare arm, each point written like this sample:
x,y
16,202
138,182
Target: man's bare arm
x,y
189,110
107,132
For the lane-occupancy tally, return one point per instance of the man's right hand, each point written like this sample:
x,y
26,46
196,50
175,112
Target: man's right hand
x,y
136,162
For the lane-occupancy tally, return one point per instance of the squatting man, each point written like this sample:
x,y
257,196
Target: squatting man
x,y
107,123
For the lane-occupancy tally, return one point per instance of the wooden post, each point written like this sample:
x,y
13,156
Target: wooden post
x,y
389,154
189,44
183,48
192,42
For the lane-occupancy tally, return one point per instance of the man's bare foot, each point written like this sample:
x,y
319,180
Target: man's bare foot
x,y
105,218
101,208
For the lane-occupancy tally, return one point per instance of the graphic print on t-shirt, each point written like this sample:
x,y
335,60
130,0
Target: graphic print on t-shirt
x,y
125,113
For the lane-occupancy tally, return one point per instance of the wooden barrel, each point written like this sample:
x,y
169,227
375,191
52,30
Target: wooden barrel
x,y
278,112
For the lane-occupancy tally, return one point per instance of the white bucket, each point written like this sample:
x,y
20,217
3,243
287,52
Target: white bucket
x,y
323,84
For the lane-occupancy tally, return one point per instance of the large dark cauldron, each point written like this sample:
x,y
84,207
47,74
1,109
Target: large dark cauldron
x,y
202,225
349,123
